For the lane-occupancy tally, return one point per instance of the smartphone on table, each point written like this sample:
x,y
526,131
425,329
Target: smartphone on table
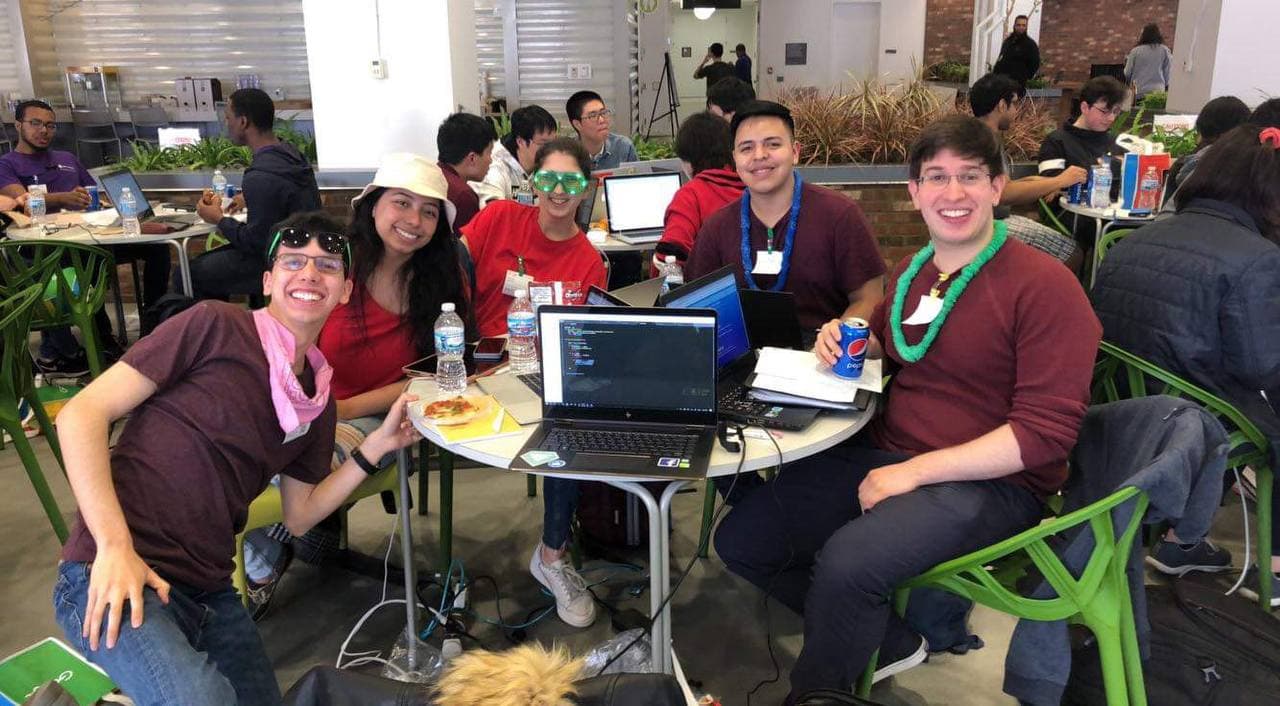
x,y
471,358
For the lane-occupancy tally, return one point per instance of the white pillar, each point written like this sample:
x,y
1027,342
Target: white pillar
x,y
428,51
1224,48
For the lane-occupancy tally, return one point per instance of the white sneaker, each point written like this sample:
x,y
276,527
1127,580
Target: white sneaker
x,y
574,603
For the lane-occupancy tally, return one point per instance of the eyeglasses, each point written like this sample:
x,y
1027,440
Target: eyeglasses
x,y
574,183
598,115
333,243
1113,112
42,125
939,181
297,262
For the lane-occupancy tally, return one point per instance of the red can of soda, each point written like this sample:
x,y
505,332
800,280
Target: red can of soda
x,y
855,336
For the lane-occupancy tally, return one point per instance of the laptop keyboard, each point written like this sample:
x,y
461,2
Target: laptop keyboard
x,y
533,381
620,442
736,405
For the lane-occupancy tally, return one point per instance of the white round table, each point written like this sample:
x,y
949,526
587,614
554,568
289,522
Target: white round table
x,y
828,430
1104,219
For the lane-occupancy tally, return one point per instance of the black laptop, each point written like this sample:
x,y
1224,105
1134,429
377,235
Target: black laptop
x,y
736,357
773,320
613,404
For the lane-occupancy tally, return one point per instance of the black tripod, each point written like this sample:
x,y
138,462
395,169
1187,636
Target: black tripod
x,y
673,101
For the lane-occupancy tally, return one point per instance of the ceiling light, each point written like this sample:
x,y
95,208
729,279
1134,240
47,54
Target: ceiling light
x,y
704,13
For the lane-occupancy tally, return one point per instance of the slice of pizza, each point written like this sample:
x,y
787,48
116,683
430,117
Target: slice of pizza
x,y
455,411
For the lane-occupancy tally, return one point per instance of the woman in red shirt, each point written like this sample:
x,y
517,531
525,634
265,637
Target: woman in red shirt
x,y
513,244
405,265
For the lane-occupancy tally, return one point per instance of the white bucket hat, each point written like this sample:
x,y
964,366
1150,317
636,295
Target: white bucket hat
x,y
415,174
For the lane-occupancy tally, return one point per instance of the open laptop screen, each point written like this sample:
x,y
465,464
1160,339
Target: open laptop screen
x,y
115,180
717,290
626,360
638,202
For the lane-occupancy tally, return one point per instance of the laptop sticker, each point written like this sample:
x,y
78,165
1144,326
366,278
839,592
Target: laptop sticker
x,y
684,463
558,463
668,462
537,458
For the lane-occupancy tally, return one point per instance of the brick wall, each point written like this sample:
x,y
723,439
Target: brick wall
x,y
1075,34
948,27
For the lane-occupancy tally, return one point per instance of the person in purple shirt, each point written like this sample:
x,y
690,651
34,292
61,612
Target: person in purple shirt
x,y
65,180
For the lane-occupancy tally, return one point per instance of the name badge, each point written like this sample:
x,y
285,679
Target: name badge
x,y
298,433
926,311
767,263
515,282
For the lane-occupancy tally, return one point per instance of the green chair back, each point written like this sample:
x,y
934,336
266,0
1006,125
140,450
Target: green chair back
x,y
1119,374
1051,220
16,384
1110,238
81,275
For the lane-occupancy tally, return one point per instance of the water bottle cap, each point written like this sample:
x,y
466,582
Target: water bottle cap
x,y
447,307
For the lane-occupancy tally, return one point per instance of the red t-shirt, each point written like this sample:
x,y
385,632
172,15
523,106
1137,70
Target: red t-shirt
x,y
1017,348
505,231
834,253
367,352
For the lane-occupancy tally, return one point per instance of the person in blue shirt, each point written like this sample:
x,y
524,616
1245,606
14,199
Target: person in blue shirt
x,y
742,67
592,121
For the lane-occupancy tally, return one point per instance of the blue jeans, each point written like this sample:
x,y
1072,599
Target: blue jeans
x,y
559,502
201,649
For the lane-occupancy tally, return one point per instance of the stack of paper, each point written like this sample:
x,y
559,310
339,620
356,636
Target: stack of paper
x,y
799,377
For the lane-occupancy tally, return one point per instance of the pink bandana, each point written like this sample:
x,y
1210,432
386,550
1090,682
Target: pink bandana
x,y
293,407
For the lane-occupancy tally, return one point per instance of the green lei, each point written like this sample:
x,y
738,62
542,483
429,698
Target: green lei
x,y
913,353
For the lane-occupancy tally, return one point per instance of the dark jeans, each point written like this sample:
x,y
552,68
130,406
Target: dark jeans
x,y
559,502
803,538
224,271
200,649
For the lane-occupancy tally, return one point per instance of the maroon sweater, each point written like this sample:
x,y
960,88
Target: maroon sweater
x,y
1018,348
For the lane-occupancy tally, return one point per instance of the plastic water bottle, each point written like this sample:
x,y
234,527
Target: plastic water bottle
x,y
672,274
128,209
1148,192
521,335
36,204
451,372
1101,194
220,188
524,193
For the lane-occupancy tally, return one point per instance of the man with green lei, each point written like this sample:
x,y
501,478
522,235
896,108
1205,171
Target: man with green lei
x,y
991,346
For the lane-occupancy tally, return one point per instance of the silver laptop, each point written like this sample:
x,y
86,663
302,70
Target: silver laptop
x,y
113,179
515,395
613,403
651,166
637,203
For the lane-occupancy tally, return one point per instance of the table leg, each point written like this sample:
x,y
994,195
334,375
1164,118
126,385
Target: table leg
x,y
122,335
446,510
184,265
406,548
664,516
1093,259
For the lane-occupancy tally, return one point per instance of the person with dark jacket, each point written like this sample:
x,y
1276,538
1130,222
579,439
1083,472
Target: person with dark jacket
x,y
1199,295
1216,118
278,183
1019,55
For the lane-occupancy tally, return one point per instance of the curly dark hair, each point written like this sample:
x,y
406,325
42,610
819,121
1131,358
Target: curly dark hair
x,y
432,277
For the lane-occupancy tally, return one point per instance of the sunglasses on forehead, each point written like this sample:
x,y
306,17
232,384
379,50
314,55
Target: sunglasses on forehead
x,y
544,180
332,243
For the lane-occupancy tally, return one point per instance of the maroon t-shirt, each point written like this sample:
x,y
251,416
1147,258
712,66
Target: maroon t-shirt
x,y
1017,348
834,253
198,451
464,199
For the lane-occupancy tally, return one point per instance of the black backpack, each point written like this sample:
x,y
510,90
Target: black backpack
x,y
1206,648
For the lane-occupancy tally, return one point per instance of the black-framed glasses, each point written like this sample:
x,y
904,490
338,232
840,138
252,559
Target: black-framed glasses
x,y
545,180
41,125
294,237
1113,112
297,262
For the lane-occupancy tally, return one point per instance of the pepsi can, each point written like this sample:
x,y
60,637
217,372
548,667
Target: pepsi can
x,y
855,335
95,201
1079,193
231,191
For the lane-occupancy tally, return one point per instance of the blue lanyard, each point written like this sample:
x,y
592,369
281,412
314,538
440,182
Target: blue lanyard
x,y
788,241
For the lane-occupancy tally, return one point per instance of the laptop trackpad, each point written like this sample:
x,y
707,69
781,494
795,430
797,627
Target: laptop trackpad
x,y
611,462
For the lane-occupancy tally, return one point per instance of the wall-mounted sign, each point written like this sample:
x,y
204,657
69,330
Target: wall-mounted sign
x,y
686,52
797,54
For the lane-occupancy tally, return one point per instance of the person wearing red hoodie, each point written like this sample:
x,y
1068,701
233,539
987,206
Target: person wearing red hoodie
x,y
705,146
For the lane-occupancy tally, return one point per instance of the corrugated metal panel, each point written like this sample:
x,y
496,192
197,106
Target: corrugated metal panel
x,y
490,56
8,60
551,34
153,42
633,64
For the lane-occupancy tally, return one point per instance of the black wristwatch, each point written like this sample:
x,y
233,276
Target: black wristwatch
x,y
363,462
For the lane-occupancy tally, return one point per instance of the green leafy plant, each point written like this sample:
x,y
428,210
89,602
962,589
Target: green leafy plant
x,y
1155,100
1038,82
304,142
502,124
146,157
1178,143
949,70
656,148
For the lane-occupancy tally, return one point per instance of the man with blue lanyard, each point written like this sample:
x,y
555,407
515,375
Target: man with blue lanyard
x,y
786,235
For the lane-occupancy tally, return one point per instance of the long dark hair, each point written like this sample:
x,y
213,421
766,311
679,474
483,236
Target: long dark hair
x,y
1150,35
1242,170
433,275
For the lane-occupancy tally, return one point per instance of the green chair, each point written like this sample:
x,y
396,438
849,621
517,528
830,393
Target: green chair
x,y
77,278
1051,220
1119,374
1109,238
17,384
1098,598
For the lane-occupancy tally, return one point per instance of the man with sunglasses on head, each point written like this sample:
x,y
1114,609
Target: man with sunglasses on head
x,y
592,120
144,587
